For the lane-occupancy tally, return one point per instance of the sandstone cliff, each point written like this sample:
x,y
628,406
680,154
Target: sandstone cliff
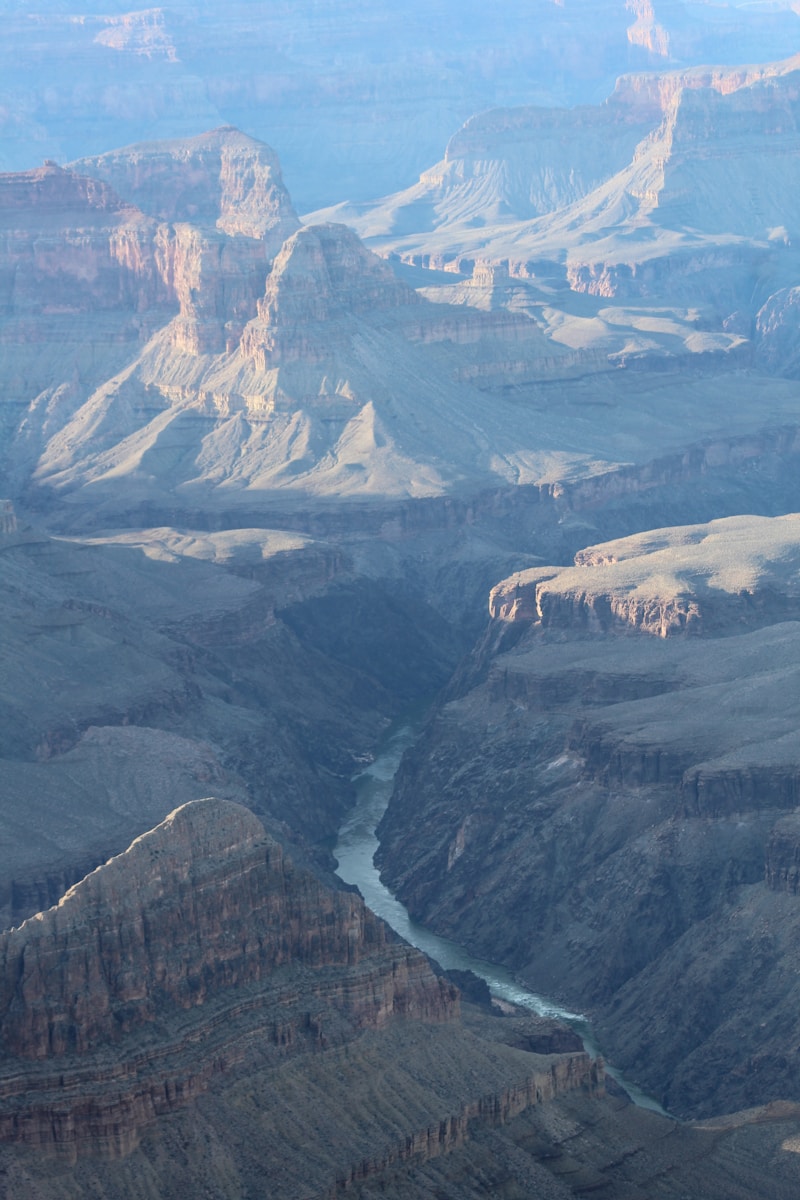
x,y
201,968
222,180
201,908
71,244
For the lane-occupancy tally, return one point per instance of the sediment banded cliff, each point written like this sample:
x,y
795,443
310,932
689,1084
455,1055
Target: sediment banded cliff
x,y
201,968
199,925
632,798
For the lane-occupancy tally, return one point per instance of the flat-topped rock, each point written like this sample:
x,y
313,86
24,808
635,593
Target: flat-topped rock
x,y
719,577
223,179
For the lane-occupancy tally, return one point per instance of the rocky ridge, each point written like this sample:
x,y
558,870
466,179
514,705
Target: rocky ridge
x,y
229,397
333,1057
692,201
631,807
203,931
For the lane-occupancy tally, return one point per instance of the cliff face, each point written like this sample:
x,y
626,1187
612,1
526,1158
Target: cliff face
x,y
223,193
70,244
679,190
631,798
222,180
783,856
730,574
322,276
776,327
202,916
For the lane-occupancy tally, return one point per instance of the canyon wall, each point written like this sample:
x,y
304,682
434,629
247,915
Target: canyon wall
x,y
608,794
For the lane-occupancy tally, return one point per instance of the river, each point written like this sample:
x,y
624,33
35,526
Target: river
x,y
355,850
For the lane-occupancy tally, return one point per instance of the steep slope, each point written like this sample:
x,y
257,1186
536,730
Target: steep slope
x,y
87,276
70,249
505,168
145,669
608,802
200,1013
281,368
203,935
342,381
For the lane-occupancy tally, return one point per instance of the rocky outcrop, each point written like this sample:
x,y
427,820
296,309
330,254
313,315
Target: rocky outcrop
x,y
224,195
776,326
323,275
645,30
612,777
730,574
201,917
217,282
192,224
783,856
223,179
71,245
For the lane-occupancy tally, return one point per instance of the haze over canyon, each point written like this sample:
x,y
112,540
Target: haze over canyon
x,y
484,416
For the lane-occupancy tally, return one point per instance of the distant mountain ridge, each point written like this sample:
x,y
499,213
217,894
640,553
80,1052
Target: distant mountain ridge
x,y
355,97
204,351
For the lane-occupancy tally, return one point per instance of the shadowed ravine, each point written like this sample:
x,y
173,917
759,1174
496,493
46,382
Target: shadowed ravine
x,y
355,850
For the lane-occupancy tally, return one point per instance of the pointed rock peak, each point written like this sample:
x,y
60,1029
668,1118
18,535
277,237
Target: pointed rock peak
x,y
328,271
223,179
194,841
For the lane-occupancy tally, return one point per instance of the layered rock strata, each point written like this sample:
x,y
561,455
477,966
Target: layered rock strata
x,y
288,367
202,908
615,781
201,968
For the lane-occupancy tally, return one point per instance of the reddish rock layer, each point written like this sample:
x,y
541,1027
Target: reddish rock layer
x,y
200,933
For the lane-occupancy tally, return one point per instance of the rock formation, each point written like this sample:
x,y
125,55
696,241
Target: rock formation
x,y
614,781
203,933
364,117
224,194
201,990
71,244
286,468
223,180
692,199
202,904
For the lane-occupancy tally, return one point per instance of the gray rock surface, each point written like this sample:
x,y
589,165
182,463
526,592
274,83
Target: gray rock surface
x,y
607,800
356,98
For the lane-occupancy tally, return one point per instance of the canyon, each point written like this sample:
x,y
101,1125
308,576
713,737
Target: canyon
x,y
608,801
357,99
262,475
